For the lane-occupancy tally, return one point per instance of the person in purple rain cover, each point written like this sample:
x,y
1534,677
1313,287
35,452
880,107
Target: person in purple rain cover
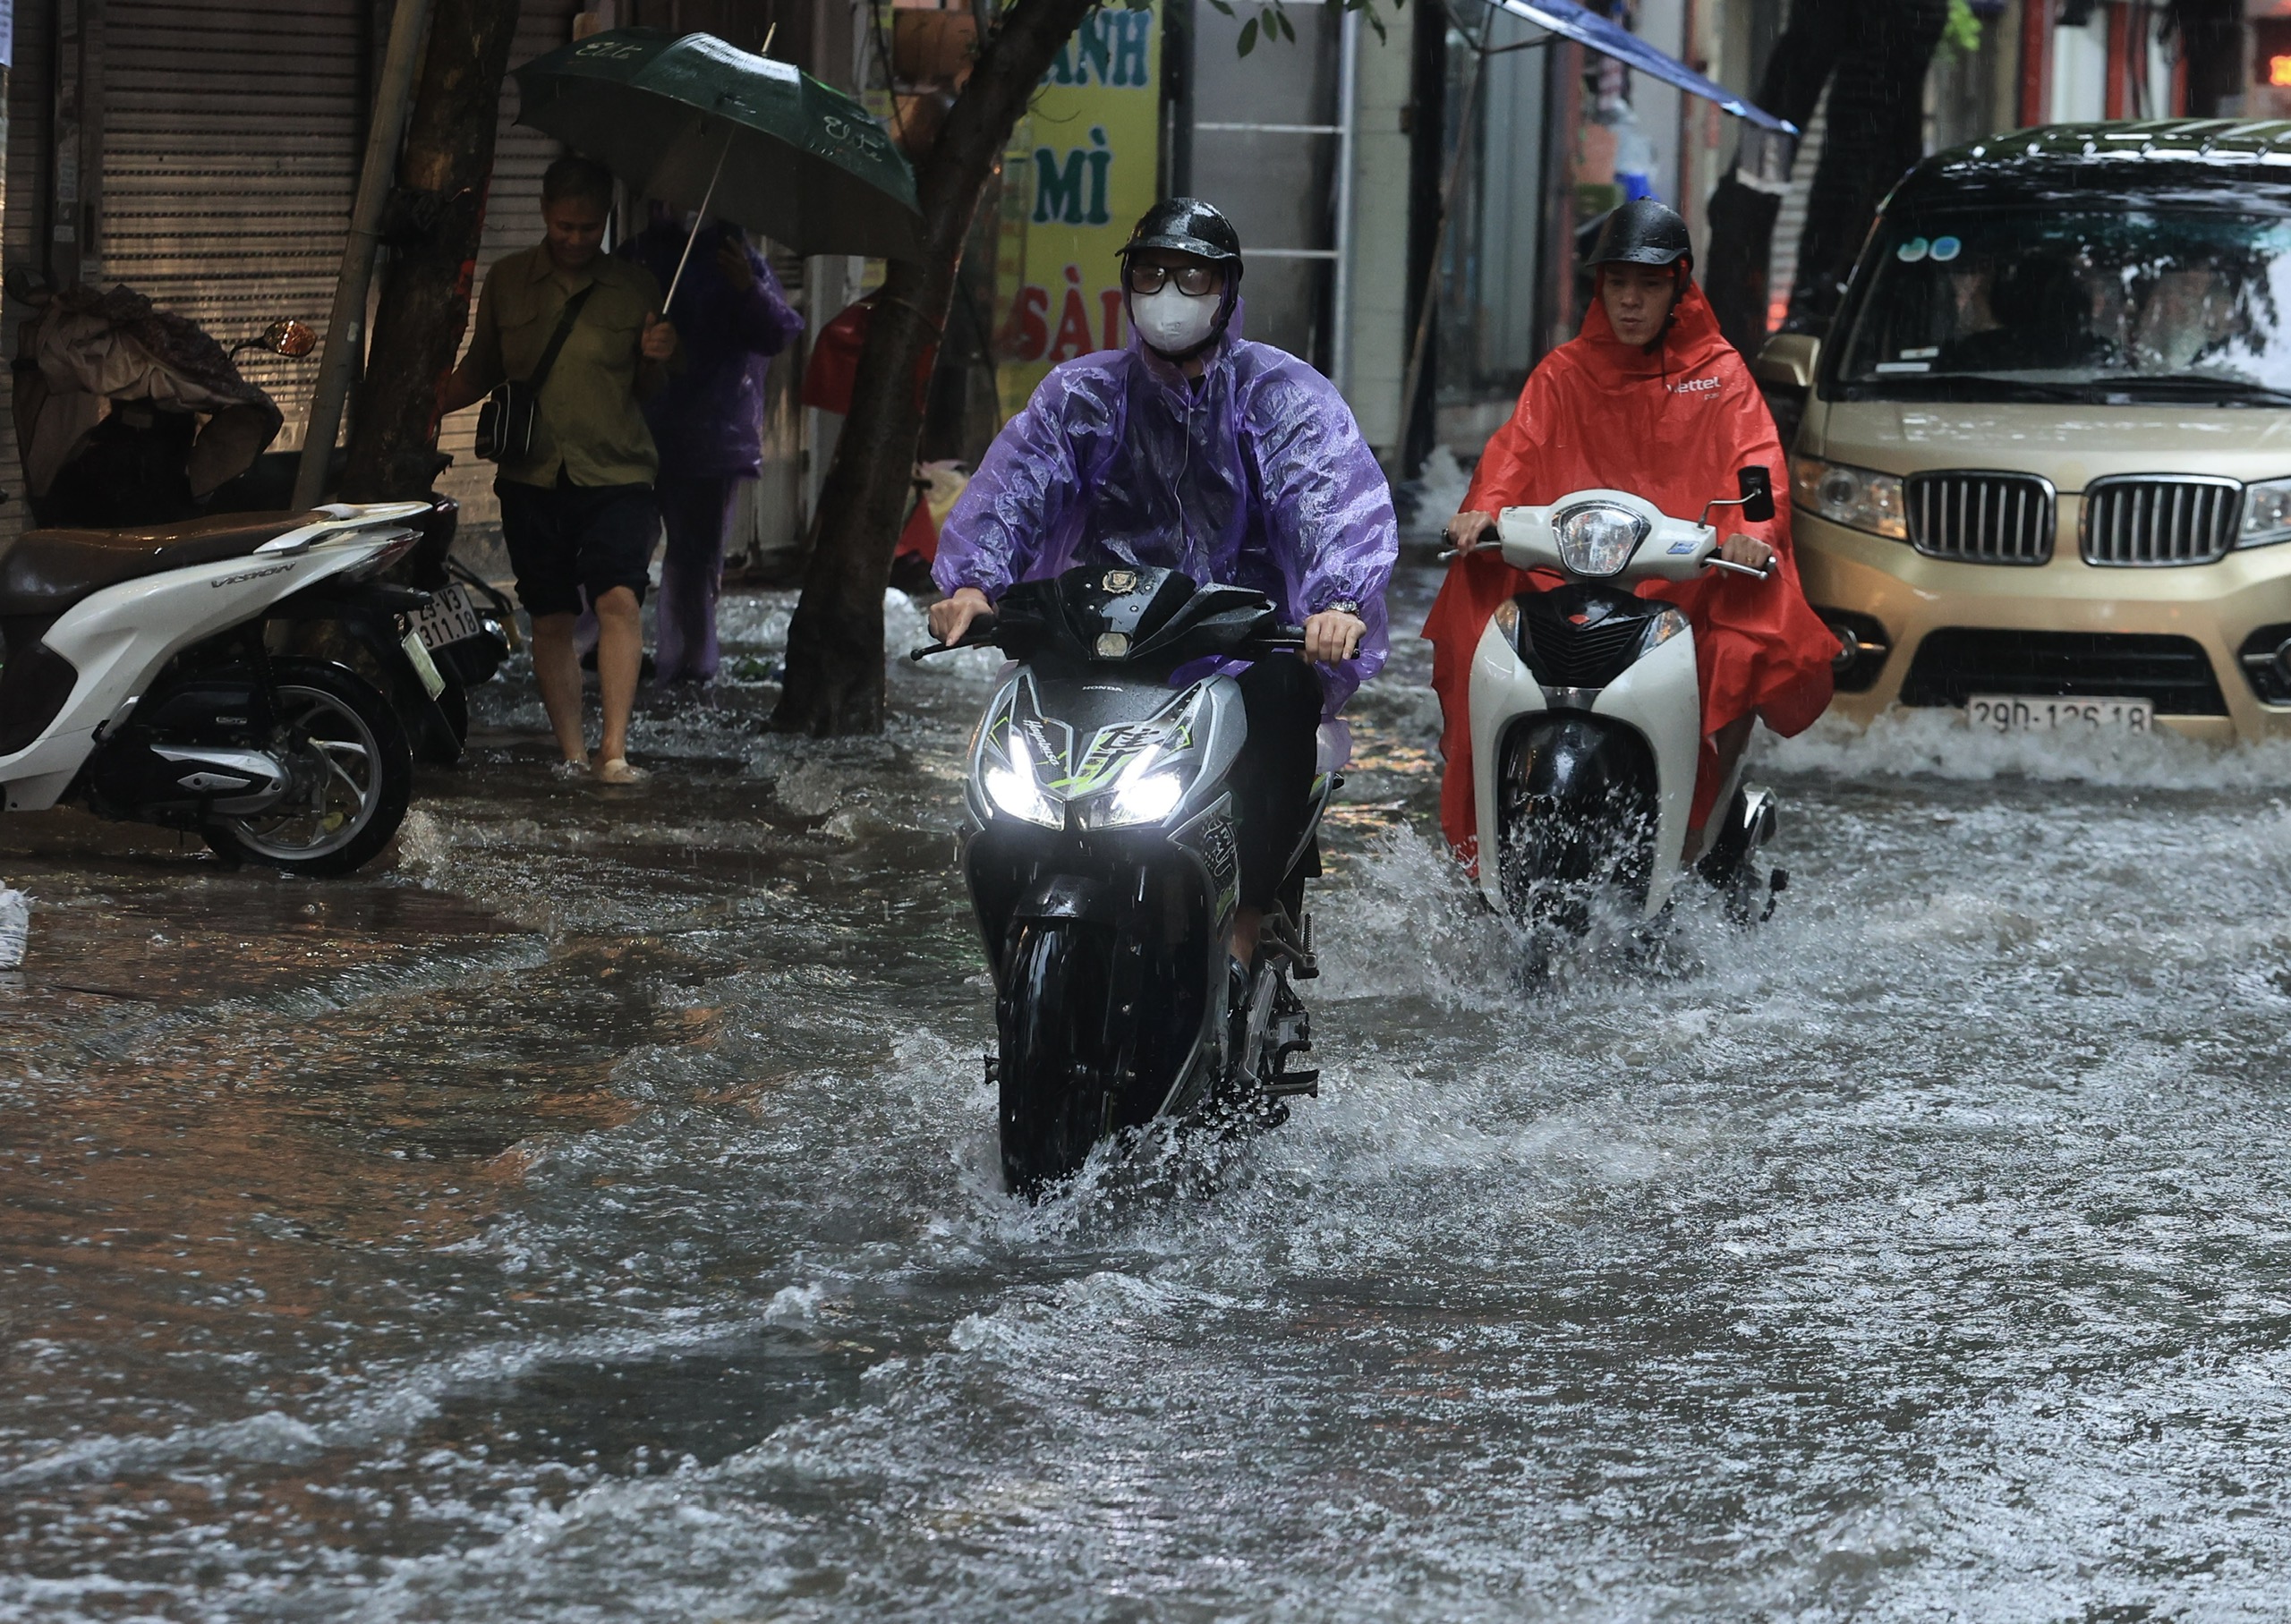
x,y
1194,450
732,317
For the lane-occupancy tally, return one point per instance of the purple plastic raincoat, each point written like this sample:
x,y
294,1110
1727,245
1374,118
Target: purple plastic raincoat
x,y
710,419
1256,475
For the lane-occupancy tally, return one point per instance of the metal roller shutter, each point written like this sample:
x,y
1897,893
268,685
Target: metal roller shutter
x,y
231,138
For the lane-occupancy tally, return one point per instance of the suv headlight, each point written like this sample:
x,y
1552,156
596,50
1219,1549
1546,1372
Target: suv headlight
x,y
2267,513
1597,538
1860,499
1014,783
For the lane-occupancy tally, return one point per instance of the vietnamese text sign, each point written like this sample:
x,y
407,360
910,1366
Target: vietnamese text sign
x,y
1081,167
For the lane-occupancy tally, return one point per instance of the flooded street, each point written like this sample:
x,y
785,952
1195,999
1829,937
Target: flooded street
x,y
594,1216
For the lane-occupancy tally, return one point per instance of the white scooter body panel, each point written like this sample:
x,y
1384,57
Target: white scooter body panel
x,y
121,638
1660,696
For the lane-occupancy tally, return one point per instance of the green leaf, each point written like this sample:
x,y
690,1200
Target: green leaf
x,y
1288,29
1225,7
1248,37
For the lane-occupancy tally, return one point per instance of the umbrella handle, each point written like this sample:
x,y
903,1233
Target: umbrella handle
x,y
706,198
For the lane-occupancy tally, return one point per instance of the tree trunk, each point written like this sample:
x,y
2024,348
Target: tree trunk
x,y
2211,42
835,643
1874,135
1737,264
435,219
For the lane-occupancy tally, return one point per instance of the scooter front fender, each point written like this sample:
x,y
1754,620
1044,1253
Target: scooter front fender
x,y
1659,696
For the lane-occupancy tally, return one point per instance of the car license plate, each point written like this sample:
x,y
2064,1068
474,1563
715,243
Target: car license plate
x,y
450,617
2015,713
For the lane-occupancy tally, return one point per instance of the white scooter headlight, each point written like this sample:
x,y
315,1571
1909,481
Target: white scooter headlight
x,y
1144,793
1597,538
1015,785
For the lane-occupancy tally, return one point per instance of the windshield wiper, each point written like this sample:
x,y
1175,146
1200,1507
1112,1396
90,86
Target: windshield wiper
x,y
1989,384
2183,385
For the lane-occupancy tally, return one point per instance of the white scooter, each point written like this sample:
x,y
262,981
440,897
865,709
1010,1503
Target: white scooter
x,y
1586,722
139,680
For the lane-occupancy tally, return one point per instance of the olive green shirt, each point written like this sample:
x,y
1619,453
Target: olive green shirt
x,y
589,424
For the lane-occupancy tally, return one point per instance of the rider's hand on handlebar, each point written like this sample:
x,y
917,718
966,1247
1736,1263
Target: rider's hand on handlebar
x,y
1748,551
950,616
1333,635
1469,531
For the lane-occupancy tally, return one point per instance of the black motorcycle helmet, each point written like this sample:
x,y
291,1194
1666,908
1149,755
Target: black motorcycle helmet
x,y
1188,225
1642,232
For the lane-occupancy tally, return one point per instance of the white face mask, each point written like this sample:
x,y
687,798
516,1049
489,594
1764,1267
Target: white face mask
x,y
1172,322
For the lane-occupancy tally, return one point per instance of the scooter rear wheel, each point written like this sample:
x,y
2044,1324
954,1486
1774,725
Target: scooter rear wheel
x,y
1056,1103
355,773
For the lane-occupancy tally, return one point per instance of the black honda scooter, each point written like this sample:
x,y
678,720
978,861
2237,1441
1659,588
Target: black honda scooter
x,y
1101,855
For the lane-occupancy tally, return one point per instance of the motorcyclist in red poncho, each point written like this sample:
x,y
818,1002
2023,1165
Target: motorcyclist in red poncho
x,y
1649,398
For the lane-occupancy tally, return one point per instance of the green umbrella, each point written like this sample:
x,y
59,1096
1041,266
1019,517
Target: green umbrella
x,y
700,124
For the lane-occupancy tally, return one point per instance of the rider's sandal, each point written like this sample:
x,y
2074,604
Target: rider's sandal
x,y
619,771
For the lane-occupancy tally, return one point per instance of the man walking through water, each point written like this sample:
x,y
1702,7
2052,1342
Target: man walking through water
x,y
1194,450
577,509
1649,398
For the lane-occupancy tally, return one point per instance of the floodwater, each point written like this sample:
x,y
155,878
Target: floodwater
x,y
593,1217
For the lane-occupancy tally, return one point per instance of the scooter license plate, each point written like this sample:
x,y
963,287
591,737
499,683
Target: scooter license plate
x,y
2017,713
449,618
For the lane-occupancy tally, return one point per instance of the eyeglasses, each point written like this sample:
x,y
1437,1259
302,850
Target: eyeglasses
x,y
1192,280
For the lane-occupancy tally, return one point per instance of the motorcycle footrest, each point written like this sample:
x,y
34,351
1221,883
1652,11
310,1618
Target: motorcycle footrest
x,y
1289,1083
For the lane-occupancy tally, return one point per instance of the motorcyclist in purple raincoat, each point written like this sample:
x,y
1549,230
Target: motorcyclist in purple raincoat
x,y
1196,450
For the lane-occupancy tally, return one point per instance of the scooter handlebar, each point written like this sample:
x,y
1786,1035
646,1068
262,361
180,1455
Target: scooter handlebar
x,y
980,631
1764,572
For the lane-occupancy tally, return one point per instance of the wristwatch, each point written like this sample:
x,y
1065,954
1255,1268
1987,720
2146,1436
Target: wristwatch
x,y
1341,606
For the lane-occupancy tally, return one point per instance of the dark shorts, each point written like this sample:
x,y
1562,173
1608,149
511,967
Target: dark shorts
x,y
566,539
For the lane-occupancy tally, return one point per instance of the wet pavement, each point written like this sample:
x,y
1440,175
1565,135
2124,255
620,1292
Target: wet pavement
x,y
592,1214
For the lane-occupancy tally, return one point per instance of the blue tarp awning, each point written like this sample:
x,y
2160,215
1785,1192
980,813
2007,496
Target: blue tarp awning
x,y
1586,27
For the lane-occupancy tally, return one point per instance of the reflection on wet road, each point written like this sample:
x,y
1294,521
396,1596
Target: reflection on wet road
x,y
594,1218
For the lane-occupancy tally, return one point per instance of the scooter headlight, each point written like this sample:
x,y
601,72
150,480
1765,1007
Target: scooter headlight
x,y
1144,794
1597,538
1014,783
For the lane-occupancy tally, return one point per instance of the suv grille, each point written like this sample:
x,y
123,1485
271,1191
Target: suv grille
x,y
2147,520
1956,662
1981,518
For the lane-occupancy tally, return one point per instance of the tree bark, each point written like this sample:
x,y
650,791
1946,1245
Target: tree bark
x,y
835,643
2212,41
1874,135
432,228
1738,262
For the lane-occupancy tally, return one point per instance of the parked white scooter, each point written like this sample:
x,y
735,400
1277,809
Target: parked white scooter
x,y
1587,722
139,680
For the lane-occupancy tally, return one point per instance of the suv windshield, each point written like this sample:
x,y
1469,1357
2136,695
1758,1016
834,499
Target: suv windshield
x,y
2118,305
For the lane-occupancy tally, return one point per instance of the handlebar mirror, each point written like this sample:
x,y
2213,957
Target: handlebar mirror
x,y
1757,486
293,339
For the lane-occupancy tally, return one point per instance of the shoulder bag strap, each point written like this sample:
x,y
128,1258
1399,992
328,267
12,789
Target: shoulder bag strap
x,y
556,339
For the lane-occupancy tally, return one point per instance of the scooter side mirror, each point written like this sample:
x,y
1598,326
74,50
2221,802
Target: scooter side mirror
x,y
1756,488
293,339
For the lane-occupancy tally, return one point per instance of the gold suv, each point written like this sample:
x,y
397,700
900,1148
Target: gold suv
x,y
2044,469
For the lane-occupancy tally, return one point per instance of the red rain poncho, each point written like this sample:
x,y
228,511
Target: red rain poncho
x,y
1671,422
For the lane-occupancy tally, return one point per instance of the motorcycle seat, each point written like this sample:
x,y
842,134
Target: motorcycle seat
x,y
44,572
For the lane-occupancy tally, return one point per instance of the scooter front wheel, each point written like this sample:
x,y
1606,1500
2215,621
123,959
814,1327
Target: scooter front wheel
x,y
1056,1102
354,775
